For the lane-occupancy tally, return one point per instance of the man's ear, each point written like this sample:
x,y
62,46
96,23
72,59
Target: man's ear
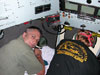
x,y
24,35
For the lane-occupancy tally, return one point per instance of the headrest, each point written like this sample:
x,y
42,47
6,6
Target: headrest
x,y
42,42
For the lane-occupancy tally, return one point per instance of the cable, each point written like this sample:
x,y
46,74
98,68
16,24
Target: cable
x,y
57,33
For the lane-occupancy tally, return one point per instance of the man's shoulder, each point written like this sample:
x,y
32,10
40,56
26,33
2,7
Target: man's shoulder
x,y
15,44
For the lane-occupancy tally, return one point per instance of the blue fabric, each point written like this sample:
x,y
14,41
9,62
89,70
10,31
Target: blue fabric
x,y
45,62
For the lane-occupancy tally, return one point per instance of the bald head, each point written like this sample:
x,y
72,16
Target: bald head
x,y
32,36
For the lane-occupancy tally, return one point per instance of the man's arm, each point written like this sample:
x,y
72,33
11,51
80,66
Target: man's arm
x,y
38,54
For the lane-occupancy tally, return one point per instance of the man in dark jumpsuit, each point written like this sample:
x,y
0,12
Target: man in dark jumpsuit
x,y
73,57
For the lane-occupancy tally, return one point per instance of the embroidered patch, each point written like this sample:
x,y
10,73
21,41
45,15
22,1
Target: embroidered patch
x,y
74,50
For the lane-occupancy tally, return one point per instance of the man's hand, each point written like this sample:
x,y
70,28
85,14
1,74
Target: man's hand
x,y
42,72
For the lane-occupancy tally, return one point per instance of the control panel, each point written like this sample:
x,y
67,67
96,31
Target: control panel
x,y
82,12
14,12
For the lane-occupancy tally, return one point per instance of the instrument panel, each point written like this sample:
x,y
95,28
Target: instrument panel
x,y
14,12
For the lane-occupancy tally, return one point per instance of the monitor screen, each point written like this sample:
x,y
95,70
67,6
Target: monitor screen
x,y
71,6
87,10
98,14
